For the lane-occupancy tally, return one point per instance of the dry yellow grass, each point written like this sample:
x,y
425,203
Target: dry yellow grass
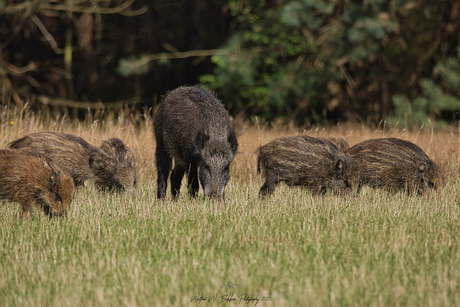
x,y
136,130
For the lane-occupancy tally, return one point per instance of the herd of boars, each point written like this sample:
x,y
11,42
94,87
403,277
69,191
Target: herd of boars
x,y
193,129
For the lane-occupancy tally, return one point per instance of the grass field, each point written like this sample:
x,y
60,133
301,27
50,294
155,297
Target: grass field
x,y
293,249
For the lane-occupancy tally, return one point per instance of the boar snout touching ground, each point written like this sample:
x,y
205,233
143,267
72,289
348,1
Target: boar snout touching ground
x,y
111,166
193,129
395,165
27,178
303,161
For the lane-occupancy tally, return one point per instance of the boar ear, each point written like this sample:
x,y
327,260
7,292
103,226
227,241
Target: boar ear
x,y
339,165
201,139
233,141
422,167
52,180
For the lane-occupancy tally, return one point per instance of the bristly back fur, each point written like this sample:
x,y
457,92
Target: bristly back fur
x,y
82,161
395,164
29,178
303,161
193,128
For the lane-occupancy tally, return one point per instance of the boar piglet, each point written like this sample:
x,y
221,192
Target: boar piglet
x,y
29,178
111,166
395,165
303,161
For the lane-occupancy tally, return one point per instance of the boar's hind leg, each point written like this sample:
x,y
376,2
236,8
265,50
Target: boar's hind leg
x,y
268,187
193,184
176,178
163,162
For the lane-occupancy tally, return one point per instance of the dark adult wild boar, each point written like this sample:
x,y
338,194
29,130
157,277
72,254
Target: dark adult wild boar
x,y
193,128
395,164
110,166
303,161
27,178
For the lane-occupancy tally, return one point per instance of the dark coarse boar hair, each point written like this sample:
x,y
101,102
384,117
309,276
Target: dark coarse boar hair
x,y
110,166
193,128
303,161
340,141
395,164
27,178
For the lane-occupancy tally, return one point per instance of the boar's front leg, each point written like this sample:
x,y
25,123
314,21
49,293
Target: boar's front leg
x,y
176,179
163,162
193,184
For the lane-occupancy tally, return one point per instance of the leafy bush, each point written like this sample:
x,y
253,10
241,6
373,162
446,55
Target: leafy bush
x,y
436,99
317,61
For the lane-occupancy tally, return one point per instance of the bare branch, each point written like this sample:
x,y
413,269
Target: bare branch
x,y
13,8
42,8
85,105
137,12
15,71
179,55
130,66
46,34
92,9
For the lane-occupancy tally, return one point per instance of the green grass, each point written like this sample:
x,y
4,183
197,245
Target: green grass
x,y
294,249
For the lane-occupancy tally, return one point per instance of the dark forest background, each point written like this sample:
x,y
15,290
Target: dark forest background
x,y
311,62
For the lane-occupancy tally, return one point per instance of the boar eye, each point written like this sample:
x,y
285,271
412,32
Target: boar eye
x,y
227,168
58,197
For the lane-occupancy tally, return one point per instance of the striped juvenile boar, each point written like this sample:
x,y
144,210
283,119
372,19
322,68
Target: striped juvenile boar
x,y
303,161
193,128
27,178
340,141
395,164
111,166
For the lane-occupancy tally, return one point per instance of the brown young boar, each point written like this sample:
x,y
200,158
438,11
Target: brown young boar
x,y
303,161
193,128
27,178
395,164
340,141
110,166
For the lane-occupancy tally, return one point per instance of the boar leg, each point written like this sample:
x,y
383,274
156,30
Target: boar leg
x,y
268,187
193,184
176,178
163,162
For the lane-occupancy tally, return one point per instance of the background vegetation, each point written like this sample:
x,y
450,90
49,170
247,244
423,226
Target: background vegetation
x,y
294,249
309,61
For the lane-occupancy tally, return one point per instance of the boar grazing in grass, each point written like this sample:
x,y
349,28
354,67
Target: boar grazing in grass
x,y
193,128
110,166
395,164
303,161
27,178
